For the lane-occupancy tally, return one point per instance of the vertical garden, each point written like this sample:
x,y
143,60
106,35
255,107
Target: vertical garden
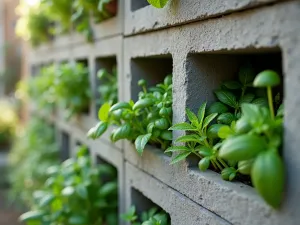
x,y
159,112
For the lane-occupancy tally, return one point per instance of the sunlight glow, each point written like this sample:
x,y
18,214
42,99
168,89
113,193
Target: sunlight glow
x,y
32,2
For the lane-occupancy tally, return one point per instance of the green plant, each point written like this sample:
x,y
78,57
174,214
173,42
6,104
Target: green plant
x,y
151,217
145,121
256,140
8,122
34,25
108,88
158,3
76,193
41,88
247,133
71,87
34,150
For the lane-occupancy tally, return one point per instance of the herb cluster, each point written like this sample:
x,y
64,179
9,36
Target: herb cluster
x,y
145,121
151,217
33,143
246,138
54,17
76,193
66,85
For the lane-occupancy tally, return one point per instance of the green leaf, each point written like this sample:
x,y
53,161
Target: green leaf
x,y
183,126
209,119
232,85
166,135
122,132
120,105
103,112
158,3
217,107
213,130
192,117
225,132
260,102
141,142
247,98
177,149
68,191
142,103
78,220
190,138
108,189
180,157
242,147
246,74
82,191
228,173
226,118
100,128
32,216
201,113
46,200
204,163
280,111
227,98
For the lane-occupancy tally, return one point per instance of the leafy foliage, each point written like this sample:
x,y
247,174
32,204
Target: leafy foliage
x,y
108,88
76,193
151,217
8,122
72,88
238,135
34,150
145,121
34,25
66,84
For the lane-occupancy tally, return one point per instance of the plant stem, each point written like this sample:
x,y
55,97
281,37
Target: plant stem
x,y
214,165
270,100
218,164
197,154
222,162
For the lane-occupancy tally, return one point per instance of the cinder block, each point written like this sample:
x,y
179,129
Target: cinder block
x,y
141,17
110,27
142,187
266,30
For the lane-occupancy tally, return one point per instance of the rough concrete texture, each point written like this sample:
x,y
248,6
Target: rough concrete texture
x,y
141,17
200,55
181,210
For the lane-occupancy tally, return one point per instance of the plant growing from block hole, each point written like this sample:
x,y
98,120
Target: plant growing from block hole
x,y
76,193
246,138
145,121
108,88
151,217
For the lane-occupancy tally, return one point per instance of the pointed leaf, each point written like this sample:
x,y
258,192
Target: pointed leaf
x,y
247,98
226,118
192,117
177,149
225,132
227,98
209,119
201,113
232,85
141,142
217,107
190,138
183,126
180,157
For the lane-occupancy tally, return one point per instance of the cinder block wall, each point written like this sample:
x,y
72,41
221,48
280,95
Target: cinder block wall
x,y
201,42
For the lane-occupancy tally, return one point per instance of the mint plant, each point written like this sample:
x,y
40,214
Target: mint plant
x,y
151,217
76,193
239,135
108,88
145,121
